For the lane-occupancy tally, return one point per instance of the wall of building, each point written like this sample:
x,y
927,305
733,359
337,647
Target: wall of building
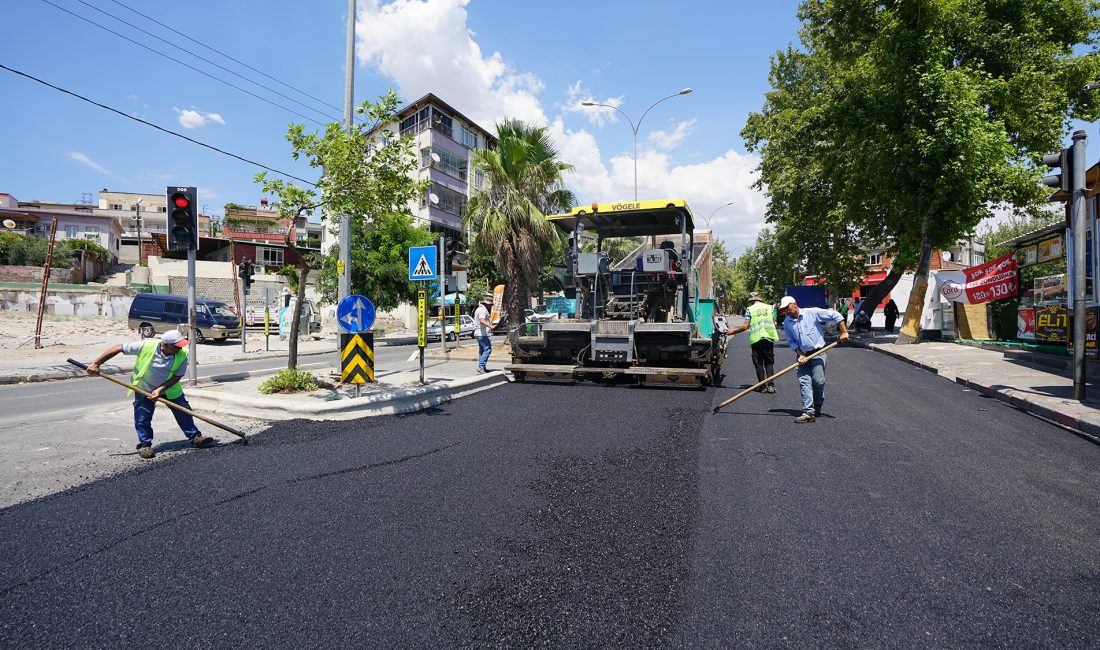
x,y
34,274
69,302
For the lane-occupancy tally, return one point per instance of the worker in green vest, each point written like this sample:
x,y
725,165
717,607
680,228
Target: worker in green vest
x,y
760,323
161,364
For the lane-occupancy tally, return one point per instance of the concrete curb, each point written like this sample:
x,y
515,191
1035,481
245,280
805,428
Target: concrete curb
x,y
1012,396
32,376
245,374
404,400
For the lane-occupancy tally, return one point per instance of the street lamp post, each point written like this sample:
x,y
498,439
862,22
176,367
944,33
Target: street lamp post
x,y
634,127
716,211
137,218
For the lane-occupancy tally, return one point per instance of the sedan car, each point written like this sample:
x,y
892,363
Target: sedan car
x,y
532,316
466,328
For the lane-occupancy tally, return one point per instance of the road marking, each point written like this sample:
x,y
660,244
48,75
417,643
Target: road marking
x,y
43,448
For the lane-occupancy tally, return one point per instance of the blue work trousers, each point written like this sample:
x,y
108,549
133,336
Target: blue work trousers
x,y
811,383
484,347
143,418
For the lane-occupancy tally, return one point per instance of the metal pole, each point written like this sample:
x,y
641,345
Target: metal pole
x,y
45,286
636,161
1080,228
192,360
344,281
442,299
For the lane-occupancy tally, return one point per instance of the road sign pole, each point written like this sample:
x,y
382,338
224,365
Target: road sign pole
x,y
267,328
421,327
442,300
192,359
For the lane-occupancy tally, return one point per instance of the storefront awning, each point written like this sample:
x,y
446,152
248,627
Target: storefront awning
x,y
1035,236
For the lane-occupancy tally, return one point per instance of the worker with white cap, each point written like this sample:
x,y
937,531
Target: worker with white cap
x,y
806,335
161,364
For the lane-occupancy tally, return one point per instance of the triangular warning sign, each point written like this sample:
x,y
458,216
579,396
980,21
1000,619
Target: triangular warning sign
x,y
422,268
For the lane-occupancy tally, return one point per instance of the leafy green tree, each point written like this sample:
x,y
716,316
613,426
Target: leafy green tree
x,y
899,124
523,183
363,172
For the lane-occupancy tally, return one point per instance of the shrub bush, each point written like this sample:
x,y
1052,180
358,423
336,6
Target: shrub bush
x,y
290,380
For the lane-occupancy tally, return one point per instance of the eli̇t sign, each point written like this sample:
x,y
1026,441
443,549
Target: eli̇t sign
x,y
990,281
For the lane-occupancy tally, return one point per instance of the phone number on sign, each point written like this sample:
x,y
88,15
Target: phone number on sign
x,y
995,292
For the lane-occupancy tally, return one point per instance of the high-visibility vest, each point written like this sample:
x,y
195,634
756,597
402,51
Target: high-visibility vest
x,y
761,324
145,362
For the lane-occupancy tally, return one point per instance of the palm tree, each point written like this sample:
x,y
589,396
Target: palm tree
x,y
523,183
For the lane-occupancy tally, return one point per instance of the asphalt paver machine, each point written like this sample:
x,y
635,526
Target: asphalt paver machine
x,y
634,318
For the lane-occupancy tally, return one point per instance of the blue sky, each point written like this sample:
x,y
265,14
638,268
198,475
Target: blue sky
x,y
488,58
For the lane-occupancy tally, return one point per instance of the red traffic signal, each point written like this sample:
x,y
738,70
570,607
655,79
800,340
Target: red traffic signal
x,y
180,201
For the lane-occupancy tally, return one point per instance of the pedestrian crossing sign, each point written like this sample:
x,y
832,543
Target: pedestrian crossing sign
x,y
422,263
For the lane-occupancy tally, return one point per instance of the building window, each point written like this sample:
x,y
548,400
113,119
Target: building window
x,y
115,206
479,179
467,137
415,123
874,259
442,123
70,231
269,256
449,163
449,200
162,208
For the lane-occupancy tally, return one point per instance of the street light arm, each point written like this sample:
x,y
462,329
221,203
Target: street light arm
x,y
716,212
631,122
651,108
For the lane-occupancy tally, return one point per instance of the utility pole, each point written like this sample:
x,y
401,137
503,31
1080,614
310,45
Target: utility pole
x,y
45,285
1080,228
344,280
137,217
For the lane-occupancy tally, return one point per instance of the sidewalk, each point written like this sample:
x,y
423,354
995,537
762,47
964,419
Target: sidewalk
x,y
397,390
1041,390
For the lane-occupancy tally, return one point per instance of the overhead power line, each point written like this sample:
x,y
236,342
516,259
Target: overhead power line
x,y
155,126
202,58
238,61
187,65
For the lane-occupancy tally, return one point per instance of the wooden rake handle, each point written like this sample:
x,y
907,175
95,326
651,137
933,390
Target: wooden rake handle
x,y
781,372
166,402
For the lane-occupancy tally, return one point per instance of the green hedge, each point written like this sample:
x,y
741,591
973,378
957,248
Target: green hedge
x,y
20,250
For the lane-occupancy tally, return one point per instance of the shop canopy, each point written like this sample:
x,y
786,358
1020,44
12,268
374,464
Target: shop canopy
x,y
1036,236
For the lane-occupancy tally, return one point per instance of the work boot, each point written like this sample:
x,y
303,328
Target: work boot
x,y
817,411
770,390
805,417
146,452
201,441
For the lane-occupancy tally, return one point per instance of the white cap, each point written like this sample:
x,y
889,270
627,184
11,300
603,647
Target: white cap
x,y
786,301
174,337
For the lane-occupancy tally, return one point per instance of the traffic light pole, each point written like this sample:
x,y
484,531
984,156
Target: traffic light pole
x,y
192,359
1080,228
343,282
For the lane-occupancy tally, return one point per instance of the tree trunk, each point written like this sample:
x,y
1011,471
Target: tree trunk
x,y
910,325
880,290
296,317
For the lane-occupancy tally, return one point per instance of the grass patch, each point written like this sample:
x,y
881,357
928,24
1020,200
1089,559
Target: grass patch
x,y
289,381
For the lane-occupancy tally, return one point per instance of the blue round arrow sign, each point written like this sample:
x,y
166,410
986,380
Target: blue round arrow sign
x,y
355,313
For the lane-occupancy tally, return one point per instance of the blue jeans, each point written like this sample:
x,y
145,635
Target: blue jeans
x,y
484,347
811,383
143,418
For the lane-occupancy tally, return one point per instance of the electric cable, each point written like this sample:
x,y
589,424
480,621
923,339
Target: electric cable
x,y
238,61
202,58
187,65
155,126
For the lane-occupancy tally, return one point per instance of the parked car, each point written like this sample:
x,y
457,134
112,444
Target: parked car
x,y
156,313
466,327
532,316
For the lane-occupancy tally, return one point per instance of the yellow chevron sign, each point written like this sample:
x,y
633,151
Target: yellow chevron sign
x,y
357,358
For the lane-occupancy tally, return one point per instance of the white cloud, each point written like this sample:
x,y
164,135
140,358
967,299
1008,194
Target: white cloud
x,y
425,46
192,119
598,115
666,140
81,158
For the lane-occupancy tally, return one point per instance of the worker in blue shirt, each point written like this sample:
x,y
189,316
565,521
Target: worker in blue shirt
x,y
805,334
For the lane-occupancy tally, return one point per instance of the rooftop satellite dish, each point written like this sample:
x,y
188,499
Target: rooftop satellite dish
x,y
8,223
433,198
435,157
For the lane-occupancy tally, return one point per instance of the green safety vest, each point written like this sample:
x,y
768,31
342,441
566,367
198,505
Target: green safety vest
x,y
145,362
761,323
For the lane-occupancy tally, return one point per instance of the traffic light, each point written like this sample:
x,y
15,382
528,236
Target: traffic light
x,y
183,219
449,252
244,272
1064,180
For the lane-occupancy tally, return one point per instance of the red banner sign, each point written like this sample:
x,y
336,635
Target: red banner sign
x,y
990,281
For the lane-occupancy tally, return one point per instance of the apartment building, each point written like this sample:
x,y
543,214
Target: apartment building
x,y
134,212
74,221
444,140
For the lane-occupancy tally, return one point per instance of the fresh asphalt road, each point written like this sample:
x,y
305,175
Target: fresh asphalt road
x,y
914,513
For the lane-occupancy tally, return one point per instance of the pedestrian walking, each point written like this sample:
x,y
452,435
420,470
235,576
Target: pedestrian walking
x,y
806,335
760,325
483,332
891,313
161,364
856,304
843,309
